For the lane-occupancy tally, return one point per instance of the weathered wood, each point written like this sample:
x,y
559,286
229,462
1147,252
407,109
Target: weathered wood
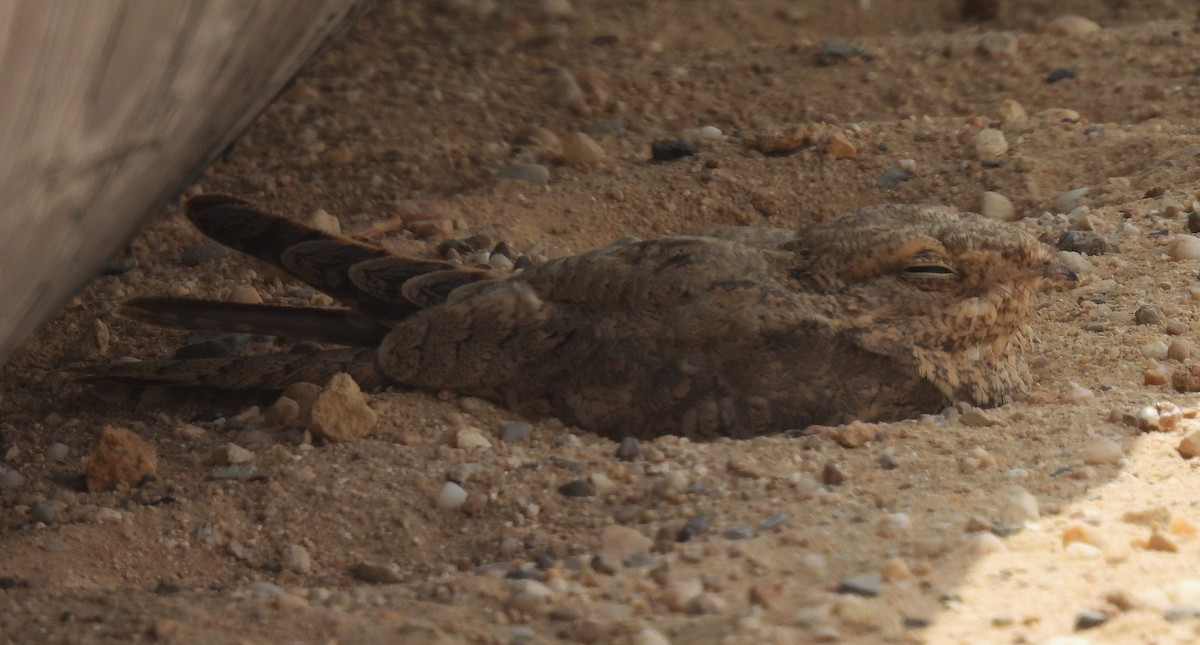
x,y
109,108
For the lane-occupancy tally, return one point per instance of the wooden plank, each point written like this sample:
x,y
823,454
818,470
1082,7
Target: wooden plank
x,y
110,107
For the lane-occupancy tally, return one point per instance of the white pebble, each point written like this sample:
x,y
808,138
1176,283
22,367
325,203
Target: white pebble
x,y
469,437
895,525
1155,349
295,558
649,636
1102,451
1018,509
985,543
1077,394
990,144
1070,199
1072,25
451,496
579,148
1184,247
997,206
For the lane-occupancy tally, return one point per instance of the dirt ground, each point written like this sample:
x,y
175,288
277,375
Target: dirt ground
x,y
1052,520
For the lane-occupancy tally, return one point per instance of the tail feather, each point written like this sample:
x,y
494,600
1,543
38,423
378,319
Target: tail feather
x,y
342,326
270,372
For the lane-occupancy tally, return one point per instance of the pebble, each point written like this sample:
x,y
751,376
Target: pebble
x,y
671,149
451,496
673,483
295,558
462,473
11,479
230,454
622,542
1086,242
244,294
1180,349
1072,25
867,585
629,449
985,544
340,412
321,220
703,133
893,526
579,149
1184,247
1089,618
530,173
515,431
1019,508
565,91
1077,394
856,433
998,43
284,412
773,521
990,145
577,488
1011,112
469,438
995,206
680,593
376,573
1080,532
1102,451
839,146
895,569
555,9
893,177
837,50
1162,415
832,475
43,511
649,636
696,525
888,460
1189,446
737,533
57,451
1146,315
976,418
1060,74
707,604
1187,378
1193,222
241,472
1070,199
119,457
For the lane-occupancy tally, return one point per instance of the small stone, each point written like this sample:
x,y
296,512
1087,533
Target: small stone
x,y
1065,202
565,91
579,149
1076,394
244,294
1193,222
981,544
240,472
1182,526
1180,349
1102,451
1187,377
671,149
43,511
530,173
283,413
976,418
835,51
1155,350
839,146
1019,508
295,558
1060,74
696,525
998,43
1146,315
1184,247
649,636
230,454
893,526
775,520
703,133
321,220
1012,112
1080,532
680,593
462,473
995,206
1176,328
832,475
470,438
629,450
340,412
1189,446
673,483
1155,515
119,457
376,573
707,604
888,460
893,177
867,585
990,145
451,496
737,533
1089,618
515,431
555,9
895,569
577,488
1162,415
856,433
57,451
1086,242
1072,25
622,542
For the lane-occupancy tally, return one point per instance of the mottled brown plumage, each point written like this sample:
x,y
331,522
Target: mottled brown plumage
x,y
881,314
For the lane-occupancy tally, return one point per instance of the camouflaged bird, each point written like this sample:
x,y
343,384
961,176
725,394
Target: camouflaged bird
x,y
881,314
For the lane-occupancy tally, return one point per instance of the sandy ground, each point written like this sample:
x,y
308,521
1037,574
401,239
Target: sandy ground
x,y
1051,520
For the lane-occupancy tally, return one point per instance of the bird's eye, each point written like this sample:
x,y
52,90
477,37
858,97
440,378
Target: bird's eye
x,y
929,270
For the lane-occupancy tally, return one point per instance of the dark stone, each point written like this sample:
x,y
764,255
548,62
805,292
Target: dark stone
x,y
893,177
671,149
1089,618
867,585
1060,74
835,51
516,431
696,525
165,588
1193,222
1146,315
737,533
831,475
776,519
1088,242
577,488
629,449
